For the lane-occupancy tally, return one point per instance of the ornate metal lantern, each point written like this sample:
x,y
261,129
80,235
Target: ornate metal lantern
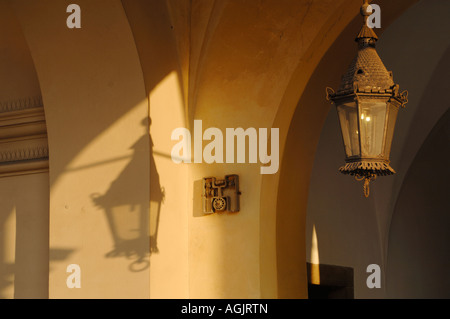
x,y
367,103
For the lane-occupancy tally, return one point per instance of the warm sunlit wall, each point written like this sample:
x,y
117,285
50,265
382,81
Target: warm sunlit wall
x,y
95,105
160,30
247,59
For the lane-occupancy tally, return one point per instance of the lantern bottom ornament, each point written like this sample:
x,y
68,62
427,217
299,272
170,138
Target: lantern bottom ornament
x,y
367,171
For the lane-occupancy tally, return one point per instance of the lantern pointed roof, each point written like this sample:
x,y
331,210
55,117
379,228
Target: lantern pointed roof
x,y
367,72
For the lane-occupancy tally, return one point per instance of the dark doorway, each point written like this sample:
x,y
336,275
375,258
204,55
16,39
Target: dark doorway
x,y
336,282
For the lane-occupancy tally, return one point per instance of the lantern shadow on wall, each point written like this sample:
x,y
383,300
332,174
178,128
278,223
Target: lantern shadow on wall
x,y
367,103
132,222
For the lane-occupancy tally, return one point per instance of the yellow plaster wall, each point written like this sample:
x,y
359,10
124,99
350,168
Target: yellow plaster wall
x,y
95,105
160,31
250,57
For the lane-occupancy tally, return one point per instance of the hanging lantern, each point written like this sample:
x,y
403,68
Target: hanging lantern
x,y
367,103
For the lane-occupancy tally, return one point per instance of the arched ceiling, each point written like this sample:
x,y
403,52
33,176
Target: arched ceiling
x,y
243,54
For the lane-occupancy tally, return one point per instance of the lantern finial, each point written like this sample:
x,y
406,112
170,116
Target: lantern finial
x,y
366,36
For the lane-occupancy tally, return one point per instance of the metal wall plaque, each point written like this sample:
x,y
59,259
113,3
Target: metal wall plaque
x,y
221,195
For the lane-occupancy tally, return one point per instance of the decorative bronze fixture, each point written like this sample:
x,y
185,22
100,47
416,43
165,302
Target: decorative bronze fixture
x,y
367,103
221,195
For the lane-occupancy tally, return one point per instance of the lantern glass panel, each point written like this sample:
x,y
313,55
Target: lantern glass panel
x,y
392,118
372,125
348,118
